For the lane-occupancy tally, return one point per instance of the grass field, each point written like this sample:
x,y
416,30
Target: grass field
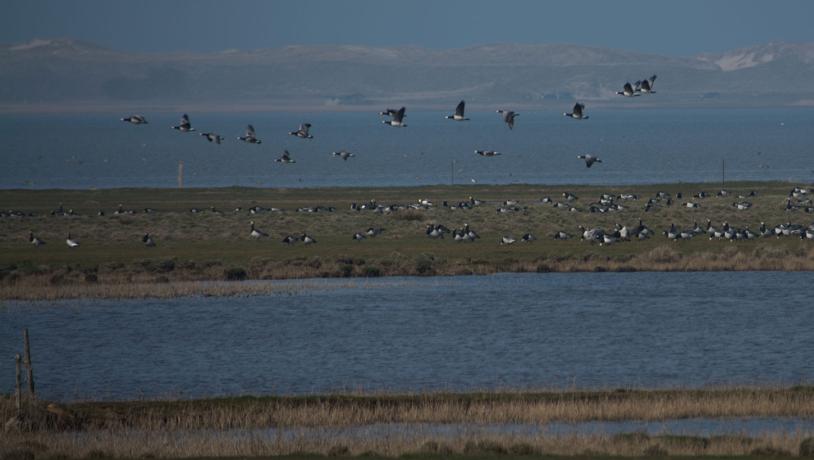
x,y
323,425
216,246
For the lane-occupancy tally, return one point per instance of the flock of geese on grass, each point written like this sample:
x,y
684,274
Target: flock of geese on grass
x,y
798,199
396,118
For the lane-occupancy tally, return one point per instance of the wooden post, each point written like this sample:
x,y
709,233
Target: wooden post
x,y
180,173
19,391
29,366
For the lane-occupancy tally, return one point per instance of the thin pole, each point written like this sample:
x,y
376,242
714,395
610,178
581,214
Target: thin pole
x,y
18,389
28,364
180,173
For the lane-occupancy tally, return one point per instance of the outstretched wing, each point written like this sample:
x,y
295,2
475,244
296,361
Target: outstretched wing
x,y
628,88
399,116
578,109
250,131
459,111
185,121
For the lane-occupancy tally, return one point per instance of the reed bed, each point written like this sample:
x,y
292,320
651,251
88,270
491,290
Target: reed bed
x,y
436,408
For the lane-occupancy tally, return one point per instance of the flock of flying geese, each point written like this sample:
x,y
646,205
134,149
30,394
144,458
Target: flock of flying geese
x,y
396,119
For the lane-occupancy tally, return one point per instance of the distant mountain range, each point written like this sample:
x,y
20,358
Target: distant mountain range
x,y
64,74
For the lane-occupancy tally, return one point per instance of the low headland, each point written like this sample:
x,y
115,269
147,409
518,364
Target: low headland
x,y
203,243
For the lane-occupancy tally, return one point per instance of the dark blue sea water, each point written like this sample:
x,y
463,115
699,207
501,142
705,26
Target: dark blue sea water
x,y
636,146
585,330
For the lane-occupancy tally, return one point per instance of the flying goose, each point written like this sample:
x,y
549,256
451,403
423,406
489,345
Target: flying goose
x,y
589,159
148,240
135,119
250,136
255,233
397,120
487,153
185,126
627,91
388,112
35,240
72,243
213,137
302,133
508,117
647,85
577,113
343,154
285,158
459,113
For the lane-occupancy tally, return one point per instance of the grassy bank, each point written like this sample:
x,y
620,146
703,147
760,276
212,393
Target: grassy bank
x,y
334,425
215,245
470,408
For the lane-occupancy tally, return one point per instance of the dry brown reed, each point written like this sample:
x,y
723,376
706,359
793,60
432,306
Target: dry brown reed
x,y
469,408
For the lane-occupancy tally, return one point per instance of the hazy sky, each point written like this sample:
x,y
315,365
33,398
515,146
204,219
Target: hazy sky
x,y
677,27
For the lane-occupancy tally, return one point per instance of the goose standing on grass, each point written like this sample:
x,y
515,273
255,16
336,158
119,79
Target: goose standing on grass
x,y
459,113
135,120
398,119
148,240
302,133
307,239
250,136
185,126
72,243
507,240
35,240
255,233
213,137
343,154
627,91
589,159
577,113
487,153
286,158
646,86
508,117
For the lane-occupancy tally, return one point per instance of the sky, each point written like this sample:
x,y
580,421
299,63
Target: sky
x,y
677,27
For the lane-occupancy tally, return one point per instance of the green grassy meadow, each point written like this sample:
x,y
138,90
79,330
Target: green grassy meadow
x,y
209,245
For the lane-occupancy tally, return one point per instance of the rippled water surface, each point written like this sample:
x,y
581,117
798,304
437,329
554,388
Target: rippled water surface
x,y
637,146
590,330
